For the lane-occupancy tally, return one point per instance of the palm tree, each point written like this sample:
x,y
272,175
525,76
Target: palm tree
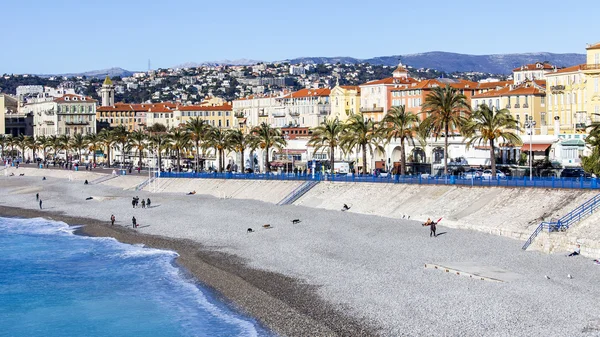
x,y
161,142
489,126
32,145
180,141
327,135
43,143
106,137
198,129
446,109
361,133
138,140
157,128
77,143
3,142
121,136
12,142
93,142
22,141
268,138
238,142
63,145
399,124
218,139
53,144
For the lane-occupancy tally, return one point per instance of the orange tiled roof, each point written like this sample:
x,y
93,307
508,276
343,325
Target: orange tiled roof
x,y
144,107
70,98
224,107
309,93
568,69
523,89
533,66
391,81
491,85
594,46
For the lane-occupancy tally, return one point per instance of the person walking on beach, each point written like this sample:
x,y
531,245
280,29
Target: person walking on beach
x,y
112,220
134,222
143,203
133,203
148,203
37,196
40,203
431,225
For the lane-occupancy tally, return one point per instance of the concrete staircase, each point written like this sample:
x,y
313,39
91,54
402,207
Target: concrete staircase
x,y
297,193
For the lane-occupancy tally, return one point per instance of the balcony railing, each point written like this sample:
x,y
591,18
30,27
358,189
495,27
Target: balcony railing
x,y
508,106
77,122
375,109
324,110
590,66
239,115
517,105
294,113
525,106
278,113
580,126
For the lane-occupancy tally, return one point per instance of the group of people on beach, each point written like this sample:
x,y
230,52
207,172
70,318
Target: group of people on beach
x,y
136,201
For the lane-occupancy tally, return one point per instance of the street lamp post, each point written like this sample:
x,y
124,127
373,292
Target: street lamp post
x,y
530,125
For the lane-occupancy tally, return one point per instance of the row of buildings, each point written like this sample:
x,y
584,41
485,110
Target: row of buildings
x,y
553,106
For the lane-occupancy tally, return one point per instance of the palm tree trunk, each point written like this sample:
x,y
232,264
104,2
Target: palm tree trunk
x,y
108,154
178,160
243,168
403,155
267,166
364,153
332,160
197,150
446,151
493,158
94,156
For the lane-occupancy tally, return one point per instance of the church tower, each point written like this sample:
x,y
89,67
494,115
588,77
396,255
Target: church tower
x,y
107,93
400,72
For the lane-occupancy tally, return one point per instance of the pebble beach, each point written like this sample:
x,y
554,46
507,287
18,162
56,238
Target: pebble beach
x,y
334,273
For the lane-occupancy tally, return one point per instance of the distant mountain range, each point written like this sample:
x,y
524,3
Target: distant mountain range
x,y
238,62
98,73
443,61
451,62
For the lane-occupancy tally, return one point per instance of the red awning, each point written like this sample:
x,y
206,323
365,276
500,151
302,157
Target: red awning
x,y
535,147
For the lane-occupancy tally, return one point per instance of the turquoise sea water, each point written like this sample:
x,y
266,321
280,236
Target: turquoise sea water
x,y
55,283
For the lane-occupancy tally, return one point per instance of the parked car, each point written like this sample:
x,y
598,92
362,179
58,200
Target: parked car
x,y
487,174
574,173
473,174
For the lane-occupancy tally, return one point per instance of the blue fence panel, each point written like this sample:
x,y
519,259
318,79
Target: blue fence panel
x,y
538,182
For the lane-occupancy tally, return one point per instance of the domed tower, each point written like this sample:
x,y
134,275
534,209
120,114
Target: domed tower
x,y
107,93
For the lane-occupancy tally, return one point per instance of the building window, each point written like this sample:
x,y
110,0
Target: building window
x,y
543,118
543,100
596,82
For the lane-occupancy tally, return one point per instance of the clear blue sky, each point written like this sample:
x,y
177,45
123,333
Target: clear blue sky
x,y
41,36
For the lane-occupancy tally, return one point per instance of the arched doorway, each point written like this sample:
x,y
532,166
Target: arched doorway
x,y
438,155
417,155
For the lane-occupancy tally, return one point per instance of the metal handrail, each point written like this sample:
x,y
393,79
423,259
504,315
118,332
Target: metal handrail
x,y
567,220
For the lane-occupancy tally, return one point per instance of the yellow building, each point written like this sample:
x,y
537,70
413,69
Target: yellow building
x,y
218,116
566,100
345,101
592,73
524,101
